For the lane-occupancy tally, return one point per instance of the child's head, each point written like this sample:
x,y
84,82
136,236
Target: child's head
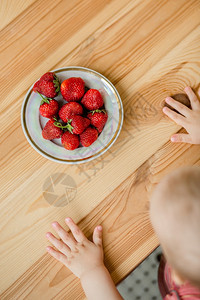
x,y
175,215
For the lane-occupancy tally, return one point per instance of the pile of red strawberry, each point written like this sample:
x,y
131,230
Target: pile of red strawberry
x,y
82,118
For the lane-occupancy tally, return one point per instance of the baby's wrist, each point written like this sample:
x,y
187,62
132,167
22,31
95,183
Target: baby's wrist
x,y
92,273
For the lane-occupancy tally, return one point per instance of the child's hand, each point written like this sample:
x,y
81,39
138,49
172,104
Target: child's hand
x,y
74,250
189,118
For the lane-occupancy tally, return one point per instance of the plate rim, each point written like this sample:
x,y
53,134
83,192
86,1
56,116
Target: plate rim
x,y
83,160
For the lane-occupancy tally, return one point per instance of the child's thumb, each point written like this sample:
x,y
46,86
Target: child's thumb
x,y
97,236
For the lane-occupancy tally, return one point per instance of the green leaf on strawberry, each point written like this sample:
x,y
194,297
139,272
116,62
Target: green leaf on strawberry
x,y
56,83
44,99
97,111
67,126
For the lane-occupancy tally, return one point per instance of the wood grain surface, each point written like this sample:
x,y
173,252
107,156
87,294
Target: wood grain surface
x,y
149,50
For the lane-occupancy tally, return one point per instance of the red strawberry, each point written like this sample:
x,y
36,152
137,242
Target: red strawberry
x,y
72,89
92,100
49,76
47,89
77,124
70,141
48,85
88,136
36,87
70,109
50,131
98,118
48,107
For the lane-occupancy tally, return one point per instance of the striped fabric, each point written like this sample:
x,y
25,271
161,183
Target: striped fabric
x,y
169,290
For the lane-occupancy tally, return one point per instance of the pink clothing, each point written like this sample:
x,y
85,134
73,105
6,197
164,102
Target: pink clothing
x,y
170,290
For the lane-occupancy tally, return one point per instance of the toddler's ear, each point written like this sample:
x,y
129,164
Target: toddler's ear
x,y
178,279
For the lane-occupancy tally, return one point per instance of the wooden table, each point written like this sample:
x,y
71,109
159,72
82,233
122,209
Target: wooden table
x,y
148,49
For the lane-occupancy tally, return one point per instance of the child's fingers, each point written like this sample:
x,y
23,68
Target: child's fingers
x,y
57,255
77,233
177,118
181,138
181,108
97,236
195,104
64,235
58,244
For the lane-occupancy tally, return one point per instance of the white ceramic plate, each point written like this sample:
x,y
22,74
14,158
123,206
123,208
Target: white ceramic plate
x,y
33,122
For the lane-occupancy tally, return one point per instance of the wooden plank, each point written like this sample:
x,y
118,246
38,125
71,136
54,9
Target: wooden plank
x,y
58,37
148,50
124,210
10,11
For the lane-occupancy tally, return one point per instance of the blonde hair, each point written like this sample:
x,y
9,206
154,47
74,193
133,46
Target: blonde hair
x,y
175,215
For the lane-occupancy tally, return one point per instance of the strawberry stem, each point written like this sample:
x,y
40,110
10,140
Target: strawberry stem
x,y
97,111
67,126
44,99
56,83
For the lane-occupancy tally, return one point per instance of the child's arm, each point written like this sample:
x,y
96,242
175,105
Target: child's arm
x,y
84,259
188,118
